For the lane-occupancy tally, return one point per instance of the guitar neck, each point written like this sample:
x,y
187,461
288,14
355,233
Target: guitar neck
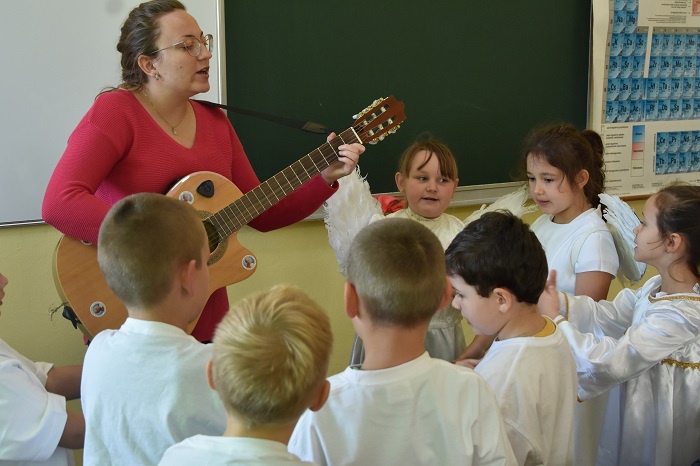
x,y
240,212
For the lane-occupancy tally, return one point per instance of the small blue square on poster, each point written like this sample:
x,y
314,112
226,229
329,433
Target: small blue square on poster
x,y
671,163
664,107
691,43
673,142
676,88
667,44
665,66
636,88
694,161
623,112
614,67
695,141
675,109
655,49
636,112
626,66
696,109
628,45
654,66
610,112
625,89
631,21
651,91
619,5
686,137
661,142
637,67
678,66
664,88
651,111
678,45
688,88
660,168
619,21
613,90
683,162
616,41
687,110
632,4
640,45
689,66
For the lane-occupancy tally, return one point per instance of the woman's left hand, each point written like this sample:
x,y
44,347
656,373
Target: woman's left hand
x,y
349,155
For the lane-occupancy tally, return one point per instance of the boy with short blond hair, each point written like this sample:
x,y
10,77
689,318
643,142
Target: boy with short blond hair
x,y
269,365
498,271
401,406
144,386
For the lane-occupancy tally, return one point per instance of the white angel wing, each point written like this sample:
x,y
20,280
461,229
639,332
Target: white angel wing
x,y
514,202
347,212
621,220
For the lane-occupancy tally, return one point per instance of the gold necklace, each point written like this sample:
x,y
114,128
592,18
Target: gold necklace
x,y
172,127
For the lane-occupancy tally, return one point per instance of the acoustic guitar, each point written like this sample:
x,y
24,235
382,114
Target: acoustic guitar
x,y
224,211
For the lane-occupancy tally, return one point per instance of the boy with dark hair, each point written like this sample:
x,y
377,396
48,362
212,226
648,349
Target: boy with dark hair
x,y
498,271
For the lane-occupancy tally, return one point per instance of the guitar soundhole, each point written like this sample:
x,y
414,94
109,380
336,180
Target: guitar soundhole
x,y
217,246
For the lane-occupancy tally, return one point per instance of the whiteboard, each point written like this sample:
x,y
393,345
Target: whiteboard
x,y
57,57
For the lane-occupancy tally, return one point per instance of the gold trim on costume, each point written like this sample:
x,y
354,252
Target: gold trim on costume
x,y
674,298
681,364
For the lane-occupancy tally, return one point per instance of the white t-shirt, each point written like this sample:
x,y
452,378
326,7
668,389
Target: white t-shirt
x,y
424,412
583,245
535,382
221,451
144,389
32,420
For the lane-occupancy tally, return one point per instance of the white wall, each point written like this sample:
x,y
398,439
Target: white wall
x,y
57,55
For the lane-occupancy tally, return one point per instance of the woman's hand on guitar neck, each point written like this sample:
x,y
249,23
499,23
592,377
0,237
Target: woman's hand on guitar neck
x,y
349,155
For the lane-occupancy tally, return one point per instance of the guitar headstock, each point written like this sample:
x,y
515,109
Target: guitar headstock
x,y
378,120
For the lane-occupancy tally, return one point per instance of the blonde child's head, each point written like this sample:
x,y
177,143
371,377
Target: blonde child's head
x,y
397,267
678,211
270,356
577,155
427,177
143,241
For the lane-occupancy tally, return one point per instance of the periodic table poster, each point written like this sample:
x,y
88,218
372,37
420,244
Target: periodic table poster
x,y
645,92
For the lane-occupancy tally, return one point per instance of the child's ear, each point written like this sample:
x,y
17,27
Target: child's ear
x,y
187,275
321,396
447,295
504,299
351,300
399,181
582,178
210,374
673,242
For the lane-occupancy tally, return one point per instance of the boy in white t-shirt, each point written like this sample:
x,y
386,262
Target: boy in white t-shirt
x,y
498,271
35,427
401,406
269,365
144,386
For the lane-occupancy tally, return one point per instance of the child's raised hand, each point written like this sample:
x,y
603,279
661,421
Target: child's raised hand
x,y
548,303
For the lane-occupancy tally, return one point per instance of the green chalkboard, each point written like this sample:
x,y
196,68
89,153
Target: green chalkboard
x,y
476,74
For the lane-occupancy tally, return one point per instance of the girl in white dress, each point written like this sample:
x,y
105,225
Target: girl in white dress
x,y
565,174
645,341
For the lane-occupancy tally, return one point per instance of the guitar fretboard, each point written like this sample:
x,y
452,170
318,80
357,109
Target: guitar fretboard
x,y
244,209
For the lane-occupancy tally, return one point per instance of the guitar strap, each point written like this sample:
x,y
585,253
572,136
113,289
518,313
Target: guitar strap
x,y
308,126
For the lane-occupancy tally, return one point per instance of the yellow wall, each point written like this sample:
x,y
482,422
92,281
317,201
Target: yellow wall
x,y
298,254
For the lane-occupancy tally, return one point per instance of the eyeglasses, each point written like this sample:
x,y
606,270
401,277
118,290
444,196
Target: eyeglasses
x,y
192,45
